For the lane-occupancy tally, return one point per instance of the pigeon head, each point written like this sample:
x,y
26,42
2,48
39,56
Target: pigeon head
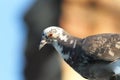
x,y
50,35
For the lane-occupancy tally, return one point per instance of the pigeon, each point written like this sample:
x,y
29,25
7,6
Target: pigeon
x,y
96,57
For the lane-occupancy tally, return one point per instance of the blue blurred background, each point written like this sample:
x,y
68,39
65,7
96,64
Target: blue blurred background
x,y
13,34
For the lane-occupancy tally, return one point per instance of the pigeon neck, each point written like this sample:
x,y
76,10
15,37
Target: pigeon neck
x,y
66,47
71,51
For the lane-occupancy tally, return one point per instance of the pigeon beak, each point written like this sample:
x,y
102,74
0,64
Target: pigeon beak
x,y
42,44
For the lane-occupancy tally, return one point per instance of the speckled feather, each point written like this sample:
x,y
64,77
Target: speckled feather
x,y
95,57
103,46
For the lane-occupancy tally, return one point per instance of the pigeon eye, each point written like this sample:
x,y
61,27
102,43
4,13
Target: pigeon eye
x,y
50,35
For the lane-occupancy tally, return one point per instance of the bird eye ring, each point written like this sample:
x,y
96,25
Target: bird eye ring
x,y
50,35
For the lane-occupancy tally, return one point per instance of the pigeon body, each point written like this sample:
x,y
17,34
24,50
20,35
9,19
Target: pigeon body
x,y
95,57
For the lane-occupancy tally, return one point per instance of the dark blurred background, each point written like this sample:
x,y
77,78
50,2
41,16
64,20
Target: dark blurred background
x,y
44,64
22,22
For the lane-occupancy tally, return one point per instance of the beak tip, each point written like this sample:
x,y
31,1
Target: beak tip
x,y
40,48
42,44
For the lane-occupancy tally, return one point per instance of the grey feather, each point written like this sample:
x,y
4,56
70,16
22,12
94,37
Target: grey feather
x,y
95,57
103,46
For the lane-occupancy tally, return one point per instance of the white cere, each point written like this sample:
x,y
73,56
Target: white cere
x,y
60,49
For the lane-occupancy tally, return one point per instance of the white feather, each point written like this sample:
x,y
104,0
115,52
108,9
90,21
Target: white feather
x,y
60,49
